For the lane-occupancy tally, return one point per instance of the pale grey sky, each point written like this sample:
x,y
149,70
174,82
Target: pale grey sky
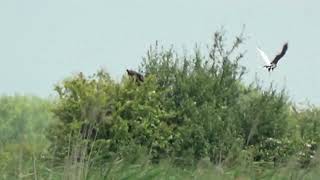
x,y
42,42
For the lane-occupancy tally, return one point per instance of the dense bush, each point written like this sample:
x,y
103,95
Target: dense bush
x,y
188,108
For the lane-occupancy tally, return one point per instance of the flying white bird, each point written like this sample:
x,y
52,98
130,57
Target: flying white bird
x,y
270,65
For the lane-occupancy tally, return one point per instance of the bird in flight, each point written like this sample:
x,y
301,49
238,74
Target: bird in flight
x,y
270,65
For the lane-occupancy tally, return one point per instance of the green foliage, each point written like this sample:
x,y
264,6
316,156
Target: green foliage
x,y
307,127
192,118
188,108
23,121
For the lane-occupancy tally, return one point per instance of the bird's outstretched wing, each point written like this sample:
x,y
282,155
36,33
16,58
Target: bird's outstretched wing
x,y
264,56
281,54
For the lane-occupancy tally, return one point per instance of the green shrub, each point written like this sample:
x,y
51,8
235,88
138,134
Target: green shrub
x,y
188,108
23,120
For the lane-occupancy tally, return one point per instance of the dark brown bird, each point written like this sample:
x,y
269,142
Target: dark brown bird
x,y
270,65
137,76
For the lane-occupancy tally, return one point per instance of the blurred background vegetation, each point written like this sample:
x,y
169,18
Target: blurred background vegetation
x,y
192,118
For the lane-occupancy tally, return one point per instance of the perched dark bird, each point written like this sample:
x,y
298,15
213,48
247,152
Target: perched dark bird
x,y
270,65
137,76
